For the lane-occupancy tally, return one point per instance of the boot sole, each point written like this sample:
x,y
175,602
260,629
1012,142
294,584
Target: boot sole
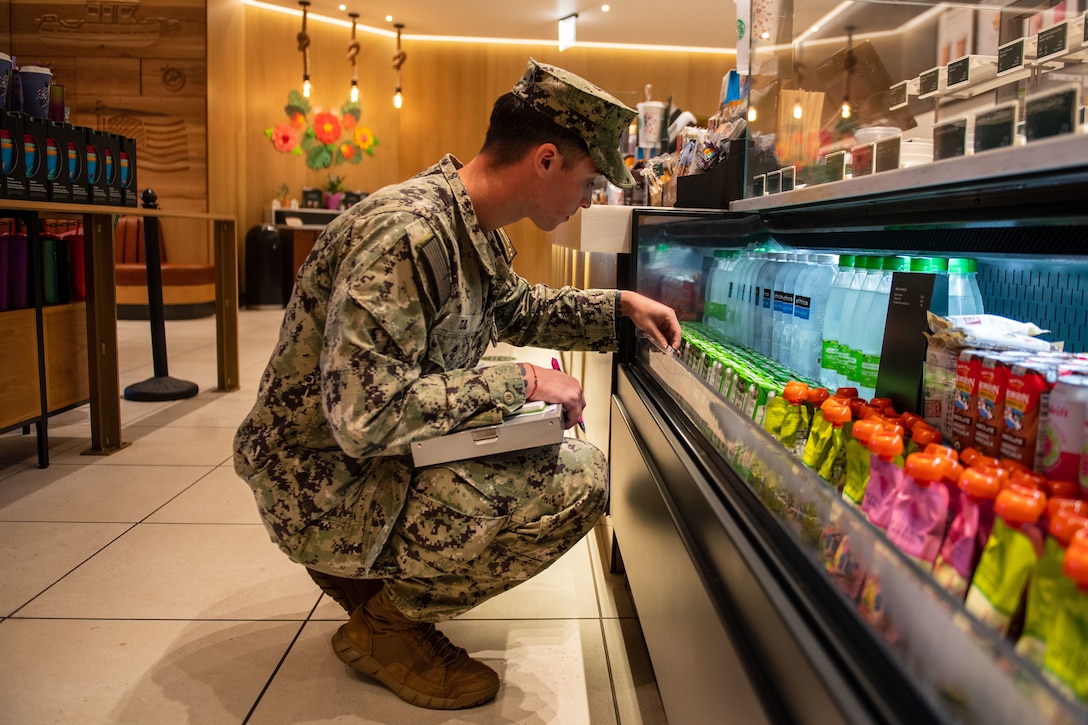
x,y
369,666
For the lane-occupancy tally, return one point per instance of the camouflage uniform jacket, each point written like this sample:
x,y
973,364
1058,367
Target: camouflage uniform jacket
x,y
390,314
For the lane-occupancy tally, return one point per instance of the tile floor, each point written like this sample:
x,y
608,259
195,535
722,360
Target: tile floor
x,y
141,587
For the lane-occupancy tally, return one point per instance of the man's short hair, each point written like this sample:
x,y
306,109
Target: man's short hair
x,y
516,128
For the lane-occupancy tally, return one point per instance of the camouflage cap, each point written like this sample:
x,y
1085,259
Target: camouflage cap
x,y
579,106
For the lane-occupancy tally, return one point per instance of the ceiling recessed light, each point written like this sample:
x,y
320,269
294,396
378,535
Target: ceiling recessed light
x,y
343,7
388,18
605,8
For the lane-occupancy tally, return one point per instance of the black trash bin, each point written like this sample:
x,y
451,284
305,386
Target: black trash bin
x,y
268,282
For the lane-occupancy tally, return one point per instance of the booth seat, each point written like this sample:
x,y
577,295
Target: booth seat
x,y
188,290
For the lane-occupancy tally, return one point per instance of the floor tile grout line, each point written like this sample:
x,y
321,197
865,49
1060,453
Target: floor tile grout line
x,y
279,665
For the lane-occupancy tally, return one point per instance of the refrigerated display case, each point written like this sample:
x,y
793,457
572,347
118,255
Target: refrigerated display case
x,y
719,528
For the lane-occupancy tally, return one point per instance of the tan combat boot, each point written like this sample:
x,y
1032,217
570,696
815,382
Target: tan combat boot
x,y
413,659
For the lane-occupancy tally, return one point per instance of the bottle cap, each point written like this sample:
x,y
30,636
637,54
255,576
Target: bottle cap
x,y
835,412
1013,465
863,431
1064,523
1077,506
928,264
925,468
1017,506
816,396
979,483
1032,480
1001,473
846,392
923,434
898,263
886,445
1062,489
962,265
1075,565
942,450
968,455
909,419
988,461
795,392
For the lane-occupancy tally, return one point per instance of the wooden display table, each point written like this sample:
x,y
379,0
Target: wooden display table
x,y
101,308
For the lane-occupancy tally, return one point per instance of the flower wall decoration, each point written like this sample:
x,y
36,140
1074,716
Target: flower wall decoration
x,y
329,139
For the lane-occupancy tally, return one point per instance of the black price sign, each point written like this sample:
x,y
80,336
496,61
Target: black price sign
x,y
897,98
950,139
995,128
774,182
1052,40
887,154
929,82
861,160
788,176
759,185
1010,57
959,71
836,165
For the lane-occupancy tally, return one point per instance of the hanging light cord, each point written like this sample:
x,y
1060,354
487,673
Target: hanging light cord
x,y
353,50
304,41
400,56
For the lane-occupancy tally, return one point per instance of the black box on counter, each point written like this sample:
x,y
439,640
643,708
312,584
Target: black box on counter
x,y
130,192
11,156
101,167
56,162
35,159
78,164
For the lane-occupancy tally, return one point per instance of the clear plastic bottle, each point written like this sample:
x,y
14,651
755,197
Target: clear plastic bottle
x,y
856,311
829,333
761,322
964,296
810,307
785,287
873,325
718,288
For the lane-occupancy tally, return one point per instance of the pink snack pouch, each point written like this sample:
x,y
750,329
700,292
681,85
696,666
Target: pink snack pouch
x,y
968,532
885,477
919,515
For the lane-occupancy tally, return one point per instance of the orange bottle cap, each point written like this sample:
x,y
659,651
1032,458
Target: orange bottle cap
x,y
858,408
968,455
817,395
845,392
1075,565
1014,465
978,483
924,434
795,392
835,412
1077,506
1062,489
988,461
925,468
1066,523
886,444
867,411
893,427
1027,478
863,430
910,419
1080,538
1001,473
1017,506
942,450
880,402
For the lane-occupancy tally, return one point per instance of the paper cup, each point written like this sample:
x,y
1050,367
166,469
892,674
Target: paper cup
x,y
651,117
5,79
35,82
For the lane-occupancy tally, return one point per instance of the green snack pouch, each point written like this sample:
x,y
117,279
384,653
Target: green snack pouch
x,y
857,457
796,418
776,413
1011,555
831,466
1067,641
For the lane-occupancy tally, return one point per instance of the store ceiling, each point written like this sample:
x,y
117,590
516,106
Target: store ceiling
x,y
682,23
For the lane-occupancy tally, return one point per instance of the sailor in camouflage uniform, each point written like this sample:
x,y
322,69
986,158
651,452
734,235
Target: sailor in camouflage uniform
x,y
390,314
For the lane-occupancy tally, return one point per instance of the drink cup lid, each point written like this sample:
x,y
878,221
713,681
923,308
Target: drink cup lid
x,y
978,483
35,69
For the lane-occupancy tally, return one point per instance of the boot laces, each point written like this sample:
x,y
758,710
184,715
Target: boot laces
x,y
439,644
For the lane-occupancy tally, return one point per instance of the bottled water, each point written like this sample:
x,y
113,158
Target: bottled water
x,y
811,304
872,333
762,325
856,309
740,312
785,287
828,374
716,299
964,297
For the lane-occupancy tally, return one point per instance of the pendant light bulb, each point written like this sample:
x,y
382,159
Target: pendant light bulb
x,y
797,111
398,99
306,86
751,115
355,91
846,111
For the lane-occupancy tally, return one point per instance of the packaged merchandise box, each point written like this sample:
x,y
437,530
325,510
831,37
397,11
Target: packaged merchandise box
x,y
58,181
78,163
130,192
11,147
35,158
530,427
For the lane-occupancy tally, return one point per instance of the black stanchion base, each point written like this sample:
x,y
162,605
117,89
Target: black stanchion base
x,y
161,388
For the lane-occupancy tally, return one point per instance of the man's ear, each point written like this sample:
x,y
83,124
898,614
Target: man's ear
x,y
545,158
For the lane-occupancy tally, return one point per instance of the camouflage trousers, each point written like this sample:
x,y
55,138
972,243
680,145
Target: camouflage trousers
x,y
475,528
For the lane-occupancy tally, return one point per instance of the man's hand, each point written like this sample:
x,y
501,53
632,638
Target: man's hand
x,y
553,386
656,320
